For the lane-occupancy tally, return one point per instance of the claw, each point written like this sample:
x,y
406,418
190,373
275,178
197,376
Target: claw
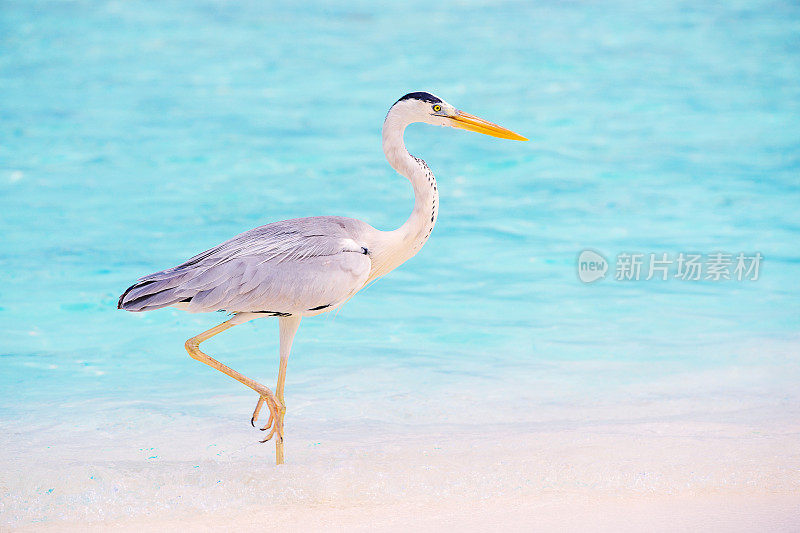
x,y
275,422
257,411
269,435
269,423
274,431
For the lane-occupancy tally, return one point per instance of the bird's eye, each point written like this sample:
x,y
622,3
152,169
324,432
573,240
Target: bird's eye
x,y
437,108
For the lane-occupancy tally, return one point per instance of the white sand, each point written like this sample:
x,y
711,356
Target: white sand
x,y
640,477
730,513
684,453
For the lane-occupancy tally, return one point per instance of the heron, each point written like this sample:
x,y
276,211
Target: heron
x,y
305,266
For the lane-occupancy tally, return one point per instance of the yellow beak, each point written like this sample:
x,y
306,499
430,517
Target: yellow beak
x,y
465,121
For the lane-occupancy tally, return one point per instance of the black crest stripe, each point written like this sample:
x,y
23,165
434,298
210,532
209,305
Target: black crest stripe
x,y
425,97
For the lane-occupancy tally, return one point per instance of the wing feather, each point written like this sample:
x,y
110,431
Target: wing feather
x,y
288,266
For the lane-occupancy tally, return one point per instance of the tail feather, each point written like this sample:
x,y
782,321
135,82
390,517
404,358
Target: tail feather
x,y
205,285
148,295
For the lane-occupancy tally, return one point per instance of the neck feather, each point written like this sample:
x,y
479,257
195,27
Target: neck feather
x,y
404,242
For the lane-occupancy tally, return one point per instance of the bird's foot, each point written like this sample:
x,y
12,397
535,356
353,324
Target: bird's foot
x,y
276,412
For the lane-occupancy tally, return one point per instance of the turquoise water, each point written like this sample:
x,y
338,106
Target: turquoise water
x,y
134,135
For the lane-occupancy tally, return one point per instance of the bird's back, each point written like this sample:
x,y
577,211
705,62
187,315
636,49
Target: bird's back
x,y
298,266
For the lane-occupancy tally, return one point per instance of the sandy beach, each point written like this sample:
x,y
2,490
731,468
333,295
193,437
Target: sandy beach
x,y
733,513
666,476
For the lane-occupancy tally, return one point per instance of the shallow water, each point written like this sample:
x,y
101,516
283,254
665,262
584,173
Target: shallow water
x,y
135,135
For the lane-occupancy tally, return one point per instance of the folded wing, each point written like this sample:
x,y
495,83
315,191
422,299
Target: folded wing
x,y
292,266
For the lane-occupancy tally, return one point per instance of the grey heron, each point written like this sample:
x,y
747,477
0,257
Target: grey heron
x,y
305,266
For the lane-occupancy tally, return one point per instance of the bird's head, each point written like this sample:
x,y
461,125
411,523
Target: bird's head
x,y
425,107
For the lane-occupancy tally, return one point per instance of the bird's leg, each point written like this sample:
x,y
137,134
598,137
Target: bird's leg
x,y
288,327
193,347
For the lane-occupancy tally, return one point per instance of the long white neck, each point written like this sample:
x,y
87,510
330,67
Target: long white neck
x,y
403,243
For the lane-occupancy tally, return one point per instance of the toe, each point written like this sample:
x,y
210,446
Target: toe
x,y
269,423
257,411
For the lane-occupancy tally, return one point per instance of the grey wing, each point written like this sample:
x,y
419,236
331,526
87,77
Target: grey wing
x,y
298,266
